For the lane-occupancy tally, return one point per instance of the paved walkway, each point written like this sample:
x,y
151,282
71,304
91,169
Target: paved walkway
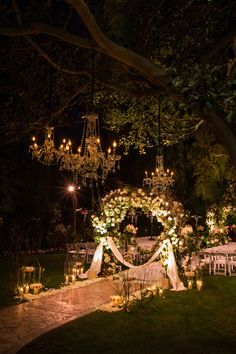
x,y
22,323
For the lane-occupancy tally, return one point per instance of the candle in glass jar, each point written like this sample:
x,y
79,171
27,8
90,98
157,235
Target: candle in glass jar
x,y
199,284
21,291
190,284
26,289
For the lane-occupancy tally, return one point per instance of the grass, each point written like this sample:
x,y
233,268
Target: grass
x,y
52,278
183,322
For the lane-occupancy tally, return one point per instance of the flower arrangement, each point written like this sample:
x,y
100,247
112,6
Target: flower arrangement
x,y
217,236
131,229
116,204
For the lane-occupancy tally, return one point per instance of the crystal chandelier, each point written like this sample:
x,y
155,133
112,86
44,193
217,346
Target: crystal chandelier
x,y
47,154
161,180
90,162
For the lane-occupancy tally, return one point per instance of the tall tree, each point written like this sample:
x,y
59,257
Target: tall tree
x,y
182,50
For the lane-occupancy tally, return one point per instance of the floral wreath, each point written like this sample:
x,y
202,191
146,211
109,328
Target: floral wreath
x,y
116,204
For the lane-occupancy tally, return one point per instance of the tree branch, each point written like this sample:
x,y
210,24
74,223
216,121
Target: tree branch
x,y
52,62
125,91
41,51
42,28
155,75
67,104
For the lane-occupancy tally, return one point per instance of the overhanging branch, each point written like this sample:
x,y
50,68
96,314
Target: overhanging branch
x,y
155,75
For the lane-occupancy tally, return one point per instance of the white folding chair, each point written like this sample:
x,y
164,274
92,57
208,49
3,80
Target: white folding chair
x,y
232,264
90,250
205,260
72,251
220,263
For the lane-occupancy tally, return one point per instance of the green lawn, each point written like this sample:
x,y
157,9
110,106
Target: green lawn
x,y
184,322
52,278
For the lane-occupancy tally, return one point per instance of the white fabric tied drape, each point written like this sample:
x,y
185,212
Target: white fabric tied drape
x,y
96,264
172,270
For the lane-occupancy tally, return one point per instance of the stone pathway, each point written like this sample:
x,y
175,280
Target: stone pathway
x,y
20,324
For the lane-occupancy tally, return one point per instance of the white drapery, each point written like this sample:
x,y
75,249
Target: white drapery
x,y
172,270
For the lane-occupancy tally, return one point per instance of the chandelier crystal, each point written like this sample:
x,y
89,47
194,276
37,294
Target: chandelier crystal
x,y
47,154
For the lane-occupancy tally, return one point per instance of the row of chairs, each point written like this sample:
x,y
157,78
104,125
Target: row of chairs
x,y
81,251
218,263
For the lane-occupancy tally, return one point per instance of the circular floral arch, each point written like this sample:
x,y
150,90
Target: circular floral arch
x,y
116,204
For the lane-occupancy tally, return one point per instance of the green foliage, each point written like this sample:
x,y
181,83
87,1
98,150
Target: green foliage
x,y
212,167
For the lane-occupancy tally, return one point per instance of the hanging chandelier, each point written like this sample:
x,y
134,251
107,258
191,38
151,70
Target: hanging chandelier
x,y
161,180
47,154
90,162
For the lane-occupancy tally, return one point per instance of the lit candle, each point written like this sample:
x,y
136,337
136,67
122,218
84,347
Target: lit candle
x,y
190,284
33,138
199,285
66,279
109,150
160,292
21,291
26,289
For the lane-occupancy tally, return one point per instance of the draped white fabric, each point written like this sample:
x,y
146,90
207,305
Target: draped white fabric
x,y
172,270
117,253
96,264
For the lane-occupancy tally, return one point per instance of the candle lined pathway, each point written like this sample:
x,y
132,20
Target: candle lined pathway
x,y
20,324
